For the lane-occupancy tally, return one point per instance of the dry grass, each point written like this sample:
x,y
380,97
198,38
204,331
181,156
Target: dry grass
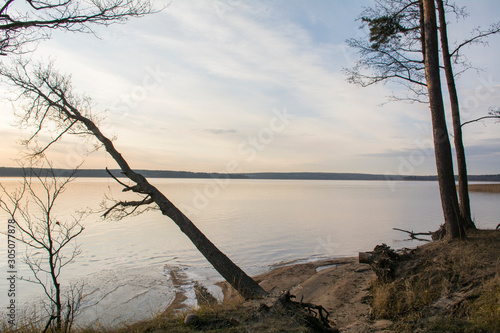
x,y
23,328
445,287
239,317
217,316
486,309
491,188
227,318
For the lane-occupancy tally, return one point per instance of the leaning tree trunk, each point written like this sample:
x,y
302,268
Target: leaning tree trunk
x,y
442,148
463,190
233,274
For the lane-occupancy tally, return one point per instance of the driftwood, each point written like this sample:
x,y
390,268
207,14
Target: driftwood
x,y
364,257
413,235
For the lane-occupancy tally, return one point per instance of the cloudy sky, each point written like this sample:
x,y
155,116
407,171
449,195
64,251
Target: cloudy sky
x,y
250,86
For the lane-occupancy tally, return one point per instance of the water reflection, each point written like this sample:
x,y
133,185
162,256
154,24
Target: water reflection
x,y
256,223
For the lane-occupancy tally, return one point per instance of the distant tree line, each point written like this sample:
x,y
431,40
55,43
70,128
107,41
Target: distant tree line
x,y
98,173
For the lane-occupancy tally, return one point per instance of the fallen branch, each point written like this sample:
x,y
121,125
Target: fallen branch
x,y
413,235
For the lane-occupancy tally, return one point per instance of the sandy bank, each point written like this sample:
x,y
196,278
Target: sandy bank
x,y
339,285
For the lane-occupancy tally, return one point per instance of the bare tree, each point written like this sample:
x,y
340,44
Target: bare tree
x,y
52,103
26,21
454,223
32,208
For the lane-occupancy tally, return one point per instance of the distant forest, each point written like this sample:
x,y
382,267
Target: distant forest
x,y
19,172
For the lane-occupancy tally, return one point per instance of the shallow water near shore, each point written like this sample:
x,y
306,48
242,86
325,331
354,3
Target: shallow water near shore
x,y
126,265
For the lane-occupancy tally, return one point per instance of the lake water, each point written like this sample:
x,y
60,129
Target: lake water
x,y
125,265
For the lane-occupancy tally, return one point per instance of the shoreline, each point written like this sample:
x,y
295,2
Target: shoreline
x,y
340,285
484,188
294,269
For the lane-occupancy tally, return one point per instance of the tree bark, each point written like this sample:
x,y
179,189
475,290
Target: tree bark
x,y
442,148
463,187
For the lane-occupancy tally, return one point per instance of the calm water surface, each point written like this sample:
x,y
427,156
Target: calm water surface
x,y
125,265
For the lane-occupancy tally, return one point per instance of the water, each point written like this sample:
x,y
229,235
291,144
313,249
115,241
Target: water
x,y
125,265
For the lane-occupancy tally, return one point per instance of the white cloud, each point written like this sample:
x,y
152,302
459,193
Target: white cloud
x,y
226,65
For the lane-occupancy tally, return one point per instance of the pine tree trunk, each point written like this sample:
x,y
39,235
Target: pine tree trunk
x,y
233,274
463,190
442,148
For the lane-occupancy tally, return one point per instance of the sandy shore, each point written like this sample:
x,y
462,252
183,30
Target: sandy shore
x,y
339,285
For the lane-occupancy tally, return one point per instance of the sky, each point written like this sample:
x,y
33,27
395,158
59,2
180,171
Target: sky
x,y
256,86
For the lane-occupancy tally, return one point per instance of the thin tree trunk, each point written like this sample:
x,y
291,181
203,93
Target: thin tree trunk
x,y
57,286
463,190
442,148
53,274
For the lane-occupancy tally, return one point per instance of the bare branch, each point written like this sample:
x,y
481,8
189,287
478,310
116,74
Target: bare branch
x,y
119,182
34,20
480,118
136,204
41,151
494,29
